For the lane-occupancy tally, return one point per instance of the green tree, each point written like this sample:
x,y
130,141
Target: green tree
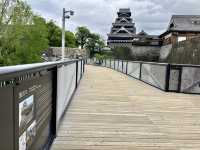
x,y
6,13
94,44
25,37
70,39
82,34
55,36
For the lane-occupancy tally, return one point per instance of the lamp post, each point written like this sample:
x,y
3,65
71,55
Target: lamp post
x,y
65,16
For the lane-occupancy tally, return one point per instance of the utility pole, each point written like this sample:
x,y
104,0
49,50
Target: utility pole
x,y
65,16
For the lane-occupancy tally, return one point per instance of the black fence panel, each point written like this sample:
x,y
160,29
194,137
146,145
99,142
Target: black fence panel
x,y
108,63
120,65
154,74
190,80
175,78
116,64
112,65
103,63
133,69
124,67
68,77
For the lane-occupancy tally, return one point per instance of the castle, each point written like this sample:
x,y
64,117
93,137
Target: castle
x,y
123,34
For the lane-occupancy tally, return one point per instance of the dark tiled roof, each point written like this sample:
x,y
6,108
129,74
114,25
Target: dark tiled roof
x,y
184,23
124,10
120,35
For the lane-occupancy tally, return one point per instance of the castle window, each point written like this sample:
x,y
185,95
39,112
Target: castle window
x,y
122,31
196,22
123,21
136,39
171,25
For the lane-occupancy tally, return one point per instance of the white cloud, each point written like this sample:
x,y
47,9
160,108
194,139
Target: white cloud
x,y
151,15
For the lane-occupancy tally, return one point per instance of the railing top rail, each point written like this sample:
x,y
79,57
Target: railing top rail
x,y
155,63
10,71
158,63
186,65
144,62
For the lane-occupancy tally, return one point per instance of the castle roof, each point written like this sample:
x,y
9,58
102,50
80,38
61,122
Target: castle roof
x,y
125,10
142,33
185,23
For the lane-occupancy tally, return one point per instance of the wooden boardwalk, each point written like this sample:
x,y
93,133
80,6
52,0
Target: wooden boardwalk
x,y
112,111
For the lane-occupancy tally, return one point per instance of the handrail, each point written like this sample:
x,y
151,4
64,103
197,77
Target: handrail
x,y
34,97
159,63
8,71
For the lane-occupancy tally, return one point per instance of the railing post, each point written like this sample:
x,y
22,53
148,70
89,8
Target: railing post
x,y
127,67
54,101
114,64
76,74
140,76
118,65
110,62
122,66
84,66
81,68
167,77
180,79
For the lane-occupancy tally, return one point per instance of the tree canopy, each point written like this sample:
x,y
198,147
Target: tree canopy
x,y
94,44
82,34
24,38
7,10
55,36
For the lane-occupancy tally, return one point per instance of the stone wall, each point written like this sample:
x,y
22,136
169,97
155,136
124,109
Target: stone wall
x,y
140,52
69,52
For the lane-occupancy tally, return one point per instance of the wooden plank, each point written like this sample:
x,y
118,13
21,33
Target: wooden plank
x,y
111,111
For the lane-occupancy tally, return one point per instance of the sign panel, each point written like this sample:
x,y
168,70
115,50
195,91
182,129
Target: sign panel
x,y
34,103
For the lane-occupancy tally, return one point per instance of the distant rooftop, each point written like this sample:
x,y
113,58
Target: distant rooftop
x,y
143,33
185,23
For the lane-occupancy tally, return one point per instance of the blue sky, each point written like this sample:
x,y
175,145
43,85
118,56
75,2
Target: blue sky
x,y
151,15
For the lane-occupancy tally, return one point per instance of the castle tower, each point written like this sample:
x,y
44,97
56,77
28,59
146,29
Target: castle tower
x,y
123,30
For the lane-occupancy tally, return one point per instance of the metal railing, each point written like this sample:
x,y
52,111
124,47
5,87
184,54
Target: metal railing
x,y
33,100
167,77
